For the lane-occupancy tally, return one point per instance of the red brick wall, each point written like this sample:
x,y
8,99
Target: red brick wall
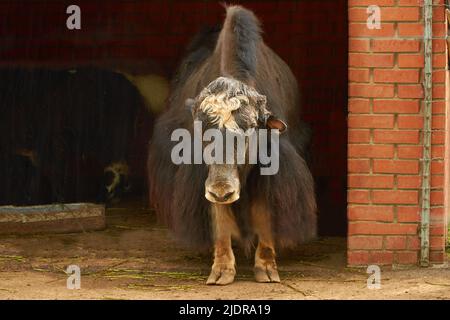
x,y
385,134
311,36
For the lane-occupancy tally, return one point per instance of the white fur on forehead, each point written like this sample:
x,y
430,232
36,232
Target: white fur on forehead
x,y
223,96
219,109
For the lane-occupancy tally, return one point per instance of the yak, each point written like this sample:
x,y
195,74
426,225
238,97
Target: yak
x,y
230,79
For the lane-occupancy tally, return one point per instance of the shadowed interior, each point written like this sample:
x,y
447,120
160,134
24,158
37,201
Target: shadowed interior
x,y
159,30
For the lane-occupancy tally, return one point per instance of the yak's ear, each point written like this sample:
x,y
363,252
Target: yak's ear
x,y
273,122
189,104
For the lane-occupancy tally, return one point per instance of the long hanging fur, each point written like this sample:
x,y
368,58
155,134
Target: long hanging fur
x,y
177,192
290,195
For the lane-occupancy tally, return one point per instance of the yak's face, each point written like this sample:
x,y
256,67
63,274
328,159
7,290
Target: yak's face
x,y
116,180
234,110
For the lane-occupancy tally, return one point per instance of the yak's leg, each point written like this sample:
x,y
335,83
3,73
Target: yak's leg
x,y
223,270
265,264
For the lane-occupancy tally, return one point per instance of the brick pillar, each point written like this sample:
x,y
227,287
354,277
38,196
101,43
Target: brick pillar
x,y
438,228
385,133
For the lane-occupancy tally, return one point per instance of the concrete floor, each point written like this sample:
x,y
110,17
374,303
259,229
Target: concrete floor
x,y
136,259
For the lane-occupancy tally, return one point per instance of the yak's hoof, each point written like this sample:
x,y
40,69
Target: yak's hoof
x,y
221,276
266,274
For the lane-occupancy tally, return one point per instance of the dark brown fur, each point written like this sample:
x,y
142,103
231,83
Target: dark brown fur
x,y
177,192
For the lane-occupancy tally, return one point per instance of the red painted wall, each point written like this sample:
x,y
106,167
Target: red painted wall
x,y
311,36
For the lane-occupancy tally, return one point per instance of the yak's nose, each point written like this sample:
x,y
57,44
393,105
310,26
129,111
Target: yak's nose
x,y
221,193
222,197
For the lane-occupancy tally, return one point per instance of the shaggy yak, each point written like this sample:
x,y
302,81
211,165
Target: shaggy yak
x,y
231,79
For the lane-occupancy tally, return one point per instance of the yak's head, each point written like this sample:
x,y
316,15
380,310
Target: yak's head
x,y
235,109
115,180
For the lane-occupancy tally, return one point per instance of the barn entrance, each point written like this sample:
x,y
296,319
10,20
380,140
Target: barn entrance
x,y
48,61
71,135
